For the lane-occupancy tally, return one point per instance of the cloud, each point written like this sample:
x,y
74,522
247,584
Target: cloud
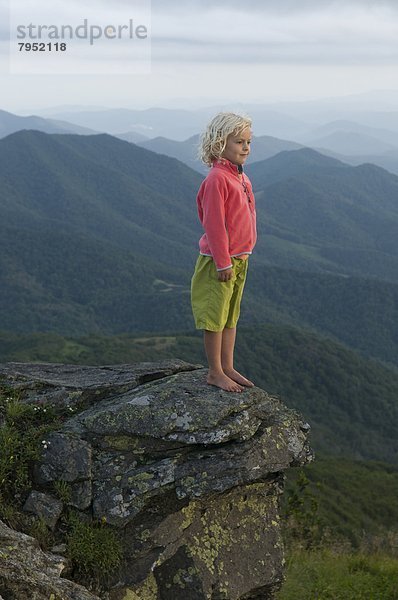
x,y
321,32
262,6
255,31
202,33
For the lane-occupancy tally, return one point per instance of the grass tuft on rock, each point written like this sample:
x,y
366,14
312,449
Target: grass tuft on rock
x,y
94,549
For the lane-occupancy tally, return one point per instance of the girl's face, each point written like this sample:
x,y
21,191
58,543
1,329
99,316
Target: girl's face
x,y
238,147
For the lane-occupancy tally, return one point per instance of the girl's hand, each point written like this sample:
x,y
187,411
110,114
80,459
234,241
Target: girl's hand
x,y
225,275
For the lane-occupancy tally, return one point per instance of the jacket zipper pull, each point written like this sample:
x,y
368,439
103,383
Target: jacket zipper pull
x,y
246,191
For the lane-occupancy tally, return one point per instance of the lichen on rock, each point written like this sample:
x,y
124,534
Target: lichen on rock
x,y
28,572
190,475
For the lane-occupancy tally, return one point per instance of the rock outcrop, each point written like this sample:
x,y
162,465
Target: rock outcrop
x,y
190,475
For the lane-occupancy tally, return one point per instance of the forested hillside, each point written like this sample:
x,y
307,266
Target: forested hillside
x,y
318,213
99,235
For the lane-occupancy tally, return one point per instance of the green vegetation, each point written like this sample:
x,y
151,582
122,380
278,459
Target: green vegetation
x,y
302,524
104,239
22,429
361,313
63,490
347,499
335,575
350,402
339,218
340,530
37,528
94,548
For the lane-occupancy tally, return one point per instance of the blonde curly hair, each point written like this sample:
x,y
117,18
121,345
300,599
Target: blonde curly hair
x,y
214,139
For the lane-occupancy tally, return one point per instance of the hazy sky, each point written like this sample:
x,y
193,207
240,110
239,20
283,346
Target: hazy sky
x,y
207,51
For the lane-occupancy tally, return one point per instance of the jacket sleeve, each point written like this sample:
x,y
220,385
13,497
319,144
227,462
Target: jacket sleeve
x,y
211,207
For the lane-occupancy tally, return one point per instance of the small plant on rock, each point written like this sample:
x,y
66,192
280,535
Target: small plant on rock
x,y
94,549
63,490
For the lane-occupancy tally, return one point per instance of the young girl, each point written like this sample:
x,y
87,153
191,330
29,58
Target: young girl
x,y
226,209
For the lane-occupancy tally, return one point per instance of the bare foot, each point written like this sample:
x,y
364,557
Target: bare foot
x,y
236,376
224,382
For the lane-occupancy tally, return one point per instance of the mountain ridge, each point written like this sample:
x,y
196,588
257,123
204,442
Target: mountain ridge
x,y
11,123
83,197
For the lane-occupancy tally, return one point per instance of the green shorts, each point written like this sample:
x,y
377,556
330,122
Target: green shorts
x,y
216,304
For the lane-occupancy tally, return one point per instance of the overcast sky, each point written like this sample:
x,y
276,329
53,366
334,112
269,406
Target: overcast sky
x,y
208,51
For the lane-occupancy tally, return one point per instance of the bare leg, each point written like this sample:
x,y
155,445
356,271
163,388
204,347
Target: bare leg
x,y
227,357
216,376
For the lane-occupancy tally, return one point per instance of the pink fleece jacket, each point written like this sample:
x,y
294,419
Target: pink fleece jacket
x,y
227,211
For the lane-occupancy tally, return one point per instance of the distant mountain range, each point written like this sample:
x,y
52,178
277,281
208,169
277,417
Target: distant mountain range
x,y
299,122
355,143
346,217
352,143
102,187
185,151
315,213
388,160
152,122
100,235
180,124
10,123
349,141
91,228
134,137
387,136
264,147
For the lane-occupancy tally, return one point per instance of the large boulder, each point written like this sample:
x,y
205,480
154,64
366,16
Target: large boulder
x,y
190,475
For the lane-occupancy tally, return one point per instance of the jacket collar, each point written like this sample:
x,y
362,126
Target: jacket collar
x,y
226,164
